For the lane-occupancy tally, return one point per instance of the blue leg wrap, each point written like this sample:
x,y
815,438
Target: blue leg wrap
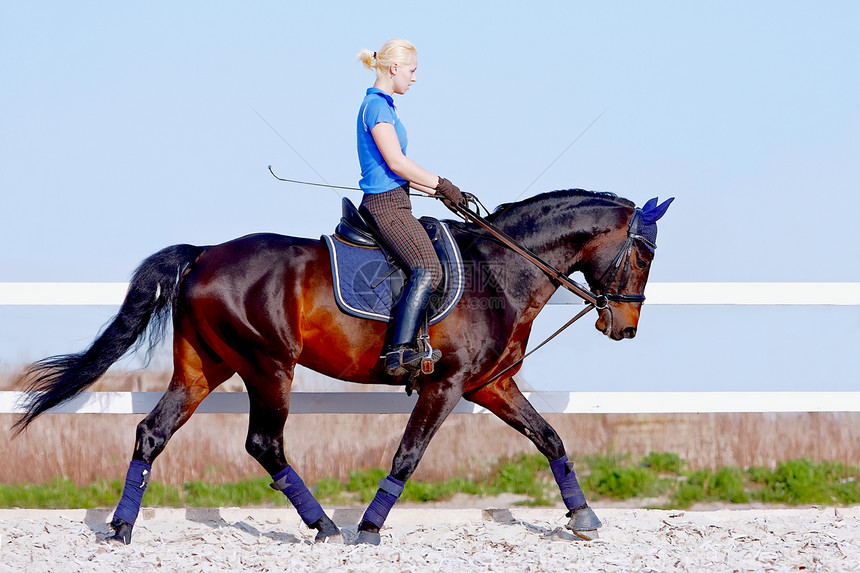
x,y
565,477
387,494
136,481
291,485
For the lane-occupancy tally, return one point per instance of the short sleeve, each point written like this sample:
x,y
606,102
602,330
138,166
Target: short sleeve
x,y
376,111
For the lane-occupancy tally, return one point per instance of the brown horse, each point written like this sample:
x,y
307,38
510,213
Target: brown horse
x,y
261,304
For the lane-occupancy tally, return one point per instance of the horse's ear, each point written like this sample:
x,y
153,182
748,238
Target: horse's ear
x,y
652,212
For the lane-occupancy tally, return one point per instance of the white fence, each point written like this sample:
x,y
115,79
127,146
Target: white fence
x,y
727,293
544,402
709,293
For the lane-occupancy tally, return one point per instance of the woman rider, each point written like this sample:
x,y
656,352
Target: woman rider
x,y
386,177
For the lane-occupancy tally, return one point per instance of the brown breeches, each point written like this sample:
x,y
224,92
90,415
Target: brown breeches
x,y
402,232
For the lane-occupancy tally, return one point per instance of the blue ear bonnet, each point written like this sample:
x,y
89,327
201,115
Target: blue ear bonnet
x,y
645,226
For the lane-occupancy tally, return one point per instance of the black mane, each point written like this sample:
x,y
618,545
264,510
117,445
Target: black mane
x,y
582,195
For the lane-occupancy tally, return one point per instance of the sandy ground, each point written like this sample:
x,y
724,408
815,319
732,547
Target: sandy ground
x,y
437,540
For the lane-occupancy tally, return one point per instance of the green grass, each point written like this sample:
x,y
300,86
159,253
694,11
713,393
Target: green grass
x,y
528,475
801,481
664,476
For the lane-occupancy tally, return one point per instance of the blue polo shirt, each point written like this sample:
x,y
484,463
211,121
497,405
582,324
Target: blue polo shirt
x,y
376,176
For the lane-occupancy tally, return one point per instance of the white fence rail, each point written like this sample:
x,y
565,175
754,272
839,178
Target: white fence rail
x,y
699,293
544,402
704,293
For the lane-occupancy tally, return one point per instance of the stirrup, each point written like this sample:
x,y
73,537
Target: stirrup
x,y
431,356
403,360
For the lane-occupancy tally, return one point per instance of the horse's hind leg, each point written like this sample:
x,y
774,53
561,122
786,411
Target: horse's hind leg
x,y
269,407
505,400
194,376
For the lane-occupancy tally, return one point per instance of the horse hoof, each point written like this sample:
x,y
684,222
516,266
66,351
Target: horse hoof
x,y
327,531
584,523
122,532
333,538
368,538
587,535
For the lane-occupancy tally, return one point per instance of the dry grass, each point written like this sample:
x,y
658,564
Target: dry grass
x,y
86,448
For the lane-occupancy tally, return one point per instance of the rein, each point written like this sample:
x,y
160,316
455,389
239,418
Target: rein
x,y
596,301
600,302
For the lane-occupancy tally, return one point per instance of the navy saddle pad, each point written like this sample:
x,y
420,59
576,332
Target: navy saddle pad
x,y
367,281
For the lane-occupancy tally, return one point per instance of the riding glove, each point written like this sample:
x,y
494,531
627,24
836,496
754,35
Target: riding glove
x,y
450,192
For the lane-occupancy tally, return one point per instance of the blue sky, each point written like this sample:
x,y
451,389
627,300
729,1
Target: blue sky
x,y
126,127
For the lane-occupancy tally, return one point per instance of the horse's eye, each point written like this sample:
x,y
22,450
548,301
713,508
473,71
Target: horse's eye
x,y
641,263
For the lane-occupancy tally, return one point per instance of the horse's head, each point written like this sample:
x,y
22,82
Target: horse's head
x,y
616,265
600,234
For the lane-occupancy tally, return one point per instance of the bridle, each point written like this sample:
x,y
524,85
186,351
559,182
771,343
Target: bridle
x,y
592,300
623,256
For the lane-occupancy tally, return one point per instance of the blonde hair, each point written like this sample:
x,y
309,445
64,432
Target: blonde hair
x,y
394,51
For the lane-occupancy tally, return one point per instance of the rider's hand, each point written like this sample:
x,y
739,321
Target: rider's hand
x,y
450,192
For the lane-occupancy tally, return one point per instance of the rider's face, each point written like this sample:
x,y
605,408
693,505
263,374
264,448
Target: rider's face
x,y
403,75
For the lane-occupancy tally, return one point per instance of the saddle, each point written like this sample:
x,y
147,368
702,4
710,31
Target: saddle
x,y
368,280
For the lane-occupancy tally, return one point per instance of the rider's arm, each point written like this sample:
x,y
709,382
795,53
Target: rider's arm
x,y
388,144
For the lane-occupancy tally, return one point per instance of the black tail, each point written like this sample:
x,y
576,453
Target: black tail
x,y
151,295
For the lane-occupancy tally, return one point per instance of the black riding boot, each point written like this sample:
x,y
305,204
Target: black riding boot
x,y
403,355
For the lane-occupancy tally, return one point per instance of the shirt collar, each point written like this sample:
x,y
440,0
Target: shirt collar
x,y
387,97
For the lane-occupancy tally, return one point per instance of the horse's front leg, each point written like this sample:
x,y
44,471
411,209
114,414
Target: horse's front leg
x,y
434,404
505,400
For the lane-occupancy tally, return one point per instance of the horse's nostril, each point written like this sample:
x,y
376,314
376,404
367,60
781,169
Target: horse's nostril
x,y
629,332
